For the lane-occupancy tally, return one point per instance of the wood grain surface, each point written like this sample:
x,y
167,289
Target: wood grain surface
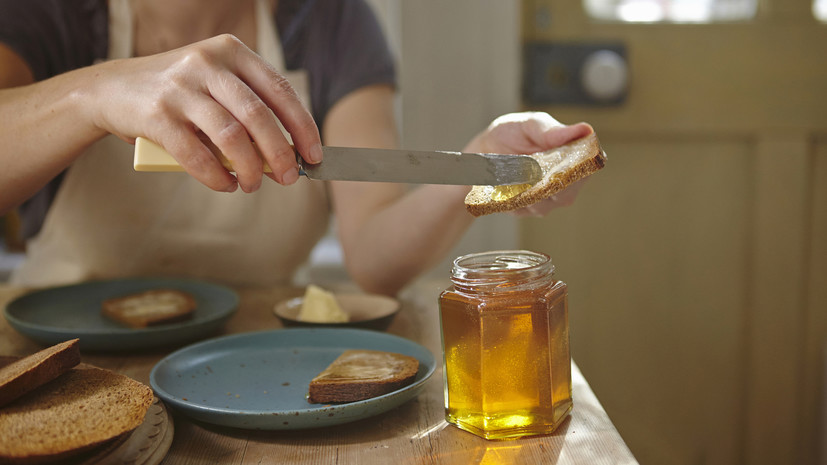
x,y
415,433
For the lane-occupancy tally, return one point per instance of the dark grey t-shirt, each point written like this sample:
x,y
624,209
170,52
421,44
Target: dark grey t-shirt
x,y
338,42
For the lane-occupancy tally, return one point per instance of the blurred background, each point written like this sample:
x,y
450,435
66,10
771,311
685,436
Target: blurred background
x,y
697,259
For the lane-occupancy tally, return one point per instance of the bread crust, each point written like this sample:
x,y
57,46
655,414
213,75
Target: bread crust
x,y
583,157
29,373
362,374
79,411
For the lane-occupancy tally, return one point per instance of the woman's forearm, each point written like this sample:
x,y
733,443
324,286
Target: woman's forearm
x,y
43,128
408,237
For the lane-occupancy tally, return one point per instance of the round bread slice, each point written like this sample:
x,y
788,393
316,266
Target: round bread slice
x,y
562,166
82,409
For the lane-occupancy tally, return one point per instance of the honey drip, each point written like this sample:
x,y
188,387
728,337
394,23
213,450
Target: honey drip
x,y
501,193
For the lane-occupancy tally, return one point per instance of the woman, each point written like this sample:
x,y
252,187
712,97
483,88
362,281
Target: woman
x,y
102,74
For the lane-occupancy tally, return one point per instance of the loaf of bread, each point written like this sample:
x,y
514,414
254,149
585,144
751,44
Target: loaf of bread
x,y
29,373
561,167
82,409
362,374
150,308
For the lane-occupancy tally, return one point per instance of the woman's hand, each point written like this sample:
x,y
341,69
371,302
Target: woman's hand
x,y
527,133
221,88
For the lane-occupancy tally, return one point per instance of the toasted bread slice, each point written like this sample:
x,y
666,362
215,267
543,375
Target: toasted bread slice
x,y
31,372
362,374
80,410
149,308
561,167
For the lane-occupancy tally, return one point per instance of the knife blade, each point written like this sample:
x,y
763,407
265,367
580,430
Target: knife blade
x,y
382,165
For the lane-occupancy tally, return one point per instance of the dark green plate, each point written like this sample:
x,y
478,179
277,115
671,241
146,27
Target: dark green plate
x,y
57,314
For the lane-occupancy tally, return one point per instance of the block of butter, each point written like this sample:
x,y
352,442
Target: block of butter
x,y
320,306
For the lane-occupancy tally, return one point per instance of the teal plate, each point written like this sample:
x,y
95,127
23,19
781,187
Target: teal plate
x,y
57,314
259,380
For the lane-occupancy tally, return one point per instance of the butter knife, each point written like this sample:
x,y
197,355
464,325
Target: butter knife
x,y
382,165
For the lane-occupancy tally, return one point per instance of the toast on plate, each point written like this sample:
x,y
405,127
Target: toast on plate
x,y
150,308
362,374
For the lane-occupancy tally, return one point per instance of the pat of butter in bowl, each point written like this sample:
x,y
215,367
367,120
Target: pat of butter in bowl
x,y
320,306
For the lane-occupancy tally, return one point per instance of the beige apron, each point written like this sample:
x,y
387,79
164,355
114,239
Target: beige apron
x,y
107,221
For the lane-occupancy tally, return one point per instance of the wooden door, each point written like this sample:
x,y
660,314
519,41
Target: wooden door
x,y
697,259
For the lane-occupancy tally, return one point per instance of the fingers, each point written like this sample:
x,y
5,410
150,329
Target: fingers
x,y
560,135
229,93
276,92
256,95
528,132
199,161
564,198
545,131
246,113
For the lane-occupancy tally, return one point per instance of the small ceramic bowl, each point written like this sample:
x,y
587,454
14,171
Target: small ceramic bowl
x,y
368,311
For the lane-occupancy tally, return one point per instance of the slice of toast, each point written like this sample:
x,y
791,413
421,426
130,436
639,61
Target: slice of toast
x,y
562,166
82,409
29,373
149,308
362,374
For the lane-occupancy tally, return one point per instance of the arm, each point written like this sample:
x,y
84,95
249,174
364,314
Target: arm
x,y
29,157
217,86
390,234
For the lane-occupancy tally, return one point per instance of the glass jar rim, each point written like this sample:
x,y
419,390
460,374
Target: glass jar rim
x,y
500,266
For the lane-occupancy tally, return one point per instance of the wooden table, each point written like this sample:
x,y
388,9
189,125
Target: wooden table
x,y
415,433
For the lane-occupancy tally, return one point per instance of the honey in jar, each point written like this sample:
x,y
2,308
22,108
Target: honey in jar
x,y
505,338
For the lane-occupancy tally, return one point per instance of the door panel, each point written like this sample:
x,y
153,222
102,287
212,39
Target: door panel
x,y
653,255
697,259
813,391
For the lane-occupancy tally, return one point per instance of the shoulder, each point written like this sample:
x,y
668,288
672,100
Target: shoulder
x,y
327,18
341,41
55,36
53,12
341,45
345,15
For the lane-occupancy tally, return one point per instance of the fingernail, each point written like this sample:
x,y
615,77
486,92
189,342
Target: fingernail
x,y
290,176
315,154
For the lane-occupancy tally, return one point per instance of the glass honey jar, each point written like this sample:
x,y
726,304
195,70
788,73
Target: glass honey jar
x,y
505,339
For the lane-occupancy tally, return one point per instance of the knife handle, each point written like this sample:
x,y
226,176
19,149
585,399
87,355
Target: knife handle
x,y
150,156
